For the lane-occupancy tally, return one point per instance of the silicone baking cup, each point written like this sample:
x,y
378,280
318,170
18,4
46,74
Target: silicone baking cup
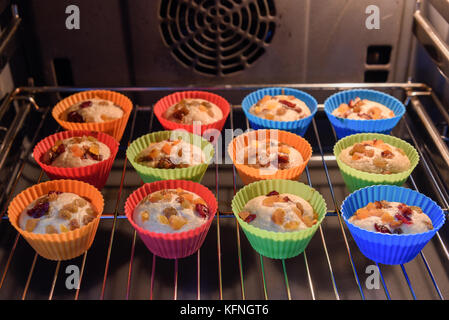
x,y
163,104
61,246
194,173
172,245
391,248
356,179
95,174
114,128
297,126
344,127
248,174
278,245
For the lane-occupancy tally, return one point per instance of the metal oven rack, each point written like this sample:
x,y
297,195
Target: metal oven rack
x,y
118,266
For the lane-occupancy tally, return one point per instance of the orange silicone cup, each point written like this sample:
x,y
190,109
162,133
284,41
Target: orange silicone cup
x,y
163,104
61,246
172,245
95,174
249,175
114,128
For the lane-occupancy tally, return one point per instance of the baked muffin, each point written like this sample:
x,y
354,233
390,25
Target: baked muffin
x,y
375,156
270,155
171,154
279,212
363,109
76,152
170,211
57,212
92,110
190,110
280,108
391,217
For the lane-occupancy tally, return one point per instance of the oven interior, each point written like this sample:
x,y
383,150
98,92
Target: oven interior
x,y
148,49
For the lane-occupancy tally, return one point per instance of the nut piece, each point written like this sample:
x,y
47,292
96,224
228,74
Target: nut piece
x,y
145,216
65,214
163,219
358,147
278,217
74,224
87,219
80,202
72,207
50,229
291,225
31,224
176,222
63,228
308,221
170,211
380,163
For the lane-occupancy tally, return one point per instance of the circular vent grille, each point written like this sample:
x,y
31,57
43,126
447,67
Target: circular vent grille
x,y
217,37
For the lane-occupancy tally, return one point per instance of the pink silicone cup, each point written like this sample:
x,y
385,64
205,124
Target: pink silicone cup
x,y
95,174
172,245
163,104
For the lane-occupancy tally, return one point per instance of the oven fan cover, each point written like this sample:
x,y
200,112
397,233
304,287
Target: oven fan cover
x,y
217,37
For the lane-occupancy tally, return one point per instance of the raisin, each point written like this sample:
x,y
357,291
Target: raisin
x,y
165,163
398,231
288,103
170,211
39,210
272,193
403,219
75,117
85,104
283,158
250,218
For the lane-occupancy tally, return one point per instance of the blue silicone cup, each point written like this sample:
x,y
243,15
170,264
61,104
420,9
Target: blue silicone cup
x,y
391,248
298,126
345,127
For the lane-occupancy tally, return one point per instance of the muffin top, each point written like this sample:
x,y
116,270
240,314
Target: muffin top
x,y
170,211
359,109
170,154
375,156
76,152
92,110
279,212
269,155
187,111
57,212
391,217
280,108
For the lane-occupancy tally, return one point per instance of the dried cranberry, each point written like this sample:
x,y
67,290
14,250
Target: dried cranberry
x,y
272,193
250,218
283,159
404,219
286,199
405,210
75,117
288,103
381,228
202,210
60,149
378,204
387,154
39,210
85,104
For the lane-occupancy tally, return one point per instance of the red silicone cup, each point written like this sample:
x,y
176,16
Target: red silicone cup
x,y
163,104
95,174
172,245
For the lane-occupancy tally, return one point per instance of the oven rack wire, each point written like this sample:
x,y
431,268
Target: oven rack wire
x,y
411,91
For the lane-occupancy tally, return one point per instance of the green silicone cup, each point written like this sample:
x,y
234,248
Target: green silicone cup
x,y
356,179
278,245
148,174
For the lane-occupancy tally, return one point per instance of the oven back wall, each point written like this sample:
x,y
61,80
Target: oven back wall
x,y
176,42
